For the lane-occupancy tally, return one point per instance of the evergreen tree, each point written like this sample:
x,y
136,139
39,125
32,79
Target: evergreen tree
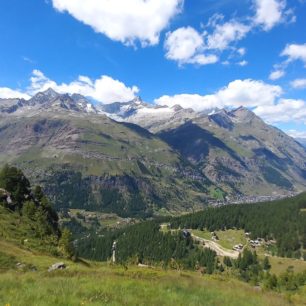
x,y
227,261
266,264
15,182
65,244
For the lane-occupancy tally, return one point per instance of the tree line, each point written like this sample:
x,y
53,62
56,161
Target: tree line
x,y
282,220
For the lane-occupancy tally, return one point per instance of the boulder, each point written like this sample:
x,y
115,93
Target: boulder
x,y
57,266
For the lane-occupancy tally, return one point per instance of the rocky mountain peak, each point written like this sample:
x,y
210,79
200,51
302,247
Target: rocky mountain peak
x,y
242,113
222,118
50,93
43,97
177,108
137,100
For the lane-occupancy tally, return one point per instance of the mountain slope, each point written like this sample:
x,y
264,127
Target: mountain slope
x,y
302,141
237,149
173,161
84,159
234,149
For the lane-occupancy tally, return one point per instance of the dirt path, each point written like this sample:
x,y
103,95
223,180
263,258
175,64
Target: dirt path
x,y
216,247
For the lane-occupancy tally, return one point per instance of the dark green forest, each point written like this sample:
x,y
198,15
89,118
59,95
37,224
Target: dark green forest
x,y
282,220
145,243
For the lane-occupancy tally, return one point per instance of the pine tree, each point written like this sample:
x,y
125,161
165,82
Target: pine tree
x,y
65,244
266,264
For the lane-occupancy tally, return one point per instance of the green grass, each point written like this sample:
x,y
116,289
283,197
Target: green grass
x,y
280,265
116,286
227,239
7,262
202,234
102,284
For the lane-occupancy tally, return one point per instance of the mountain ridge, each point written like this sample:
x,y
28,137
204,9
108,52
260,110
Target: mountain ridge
x,y
147,150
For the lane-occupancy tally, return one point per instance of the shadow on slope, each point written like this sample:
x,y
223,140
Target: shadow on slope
x,y
194,142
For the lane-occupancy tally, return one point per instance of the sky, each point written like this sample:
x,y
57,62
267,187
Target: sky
x,y
201,54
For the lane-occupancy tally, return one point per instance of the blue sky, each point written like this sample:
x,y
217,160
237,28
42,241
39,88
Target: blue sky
x,y
199,54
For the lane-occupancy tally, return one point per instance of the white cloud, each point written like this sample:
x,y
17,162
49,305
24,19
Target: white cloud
x,y
269,13
104,89
277,74
249,93
39,82
263,98
297,134
8,93
295,52
185,45
194,101
242,63
226,33
299,83
285,110
126,21
241,51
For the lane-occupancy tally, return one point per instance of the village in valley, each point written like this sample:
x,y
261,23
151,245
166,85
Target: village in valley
x,y
228,243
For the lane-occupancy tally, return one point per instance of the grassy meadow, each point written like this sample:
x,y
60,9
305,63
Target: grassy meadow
x,y
89,283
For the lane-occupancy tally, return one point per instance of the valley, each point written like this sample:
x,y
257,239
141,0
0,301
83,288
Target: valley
x,y
152,152
145,164
175,189
185,258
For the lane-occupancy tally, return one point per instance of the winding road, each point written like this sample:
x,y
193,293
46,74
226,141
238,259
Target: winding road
x,y
216,247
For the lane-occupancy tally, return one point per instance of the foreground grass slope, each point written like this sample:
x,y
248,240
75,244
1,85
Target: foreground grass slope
x,y
102,284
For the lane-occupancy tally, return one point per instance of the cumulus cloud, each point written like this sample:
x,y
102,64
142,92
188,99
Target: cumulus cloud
x,y
299,83
277,74
295,52
250,93
264,99
104,89
297,134
242,63
125,21
194,101
241,51
269,13
226,33
285,110
185,45
8,93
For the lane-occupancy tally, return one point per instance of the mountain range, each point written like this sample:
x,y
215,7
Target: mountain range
x,y
135,158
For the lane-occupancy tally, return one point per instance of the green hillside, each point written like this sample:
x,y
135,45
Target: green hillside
x,y
94,163
27,218
153,265
102,284
90,283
